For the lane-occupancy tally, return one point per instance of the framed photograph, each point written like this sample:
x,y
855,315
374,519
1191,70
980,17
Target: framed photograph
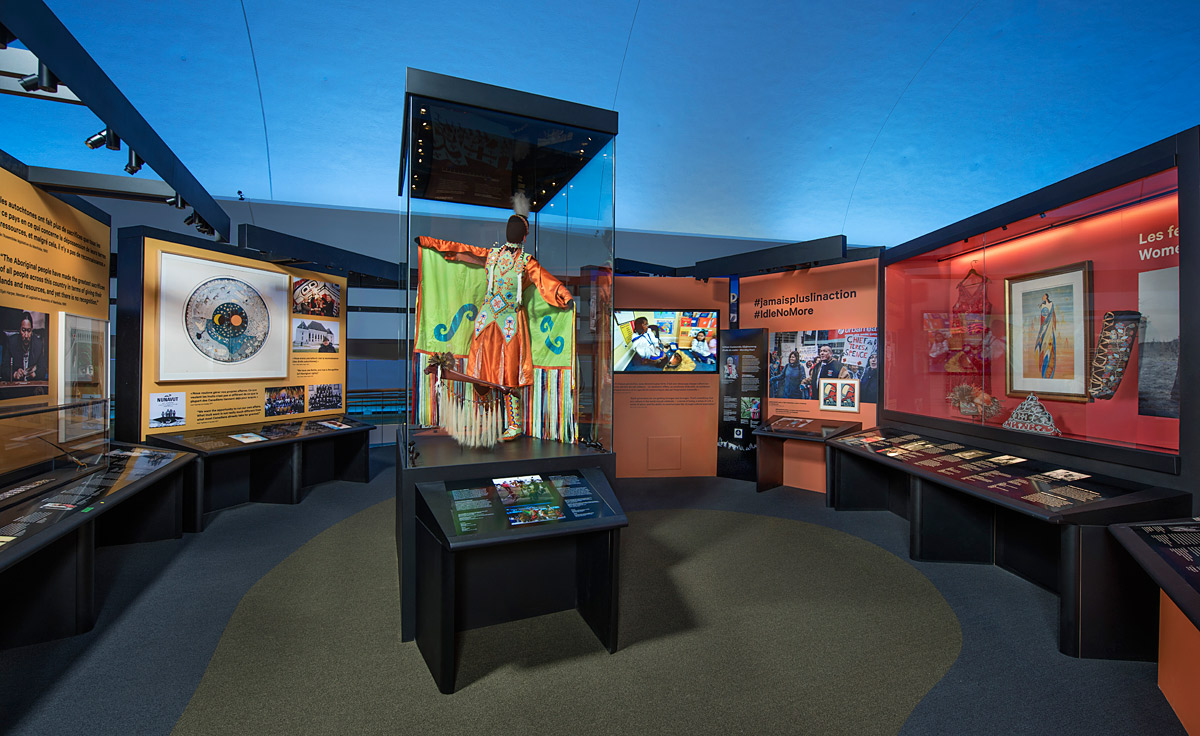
x,y
219,321
25,340
82,376
839,394
1047,316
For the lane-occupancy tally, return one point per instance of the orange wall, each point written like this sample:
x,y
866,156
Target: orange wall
x,y
862,310
666,425
1179,663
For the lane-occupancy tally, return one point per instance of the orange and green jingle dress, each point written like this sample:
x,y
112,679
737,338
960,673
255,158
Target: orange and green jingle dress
x,y
500,349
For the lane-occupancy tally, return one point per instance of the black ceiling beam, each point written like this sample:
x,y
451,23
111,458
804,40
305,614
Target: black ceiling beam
x,y
88,184
628,267
289,250
45,35
773,259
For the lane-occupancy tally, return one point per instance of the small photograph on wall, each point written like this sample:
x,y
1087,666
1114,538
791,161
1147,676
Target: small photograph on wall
x,y
220,321
325,397
168,409
318,298
315,336
284,400
24,352
1158,351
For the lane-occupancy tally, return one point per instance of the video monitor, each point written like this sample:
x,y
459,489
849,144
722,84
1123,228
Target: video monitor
x,y
671,341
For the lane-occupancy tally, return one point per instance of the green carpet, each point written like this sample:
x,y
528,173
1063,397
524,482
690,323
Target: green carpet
x,y
731,623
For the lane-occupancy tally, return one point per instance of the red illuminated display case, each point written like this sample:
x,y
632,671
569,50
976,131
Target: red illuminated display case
x,y
1070,295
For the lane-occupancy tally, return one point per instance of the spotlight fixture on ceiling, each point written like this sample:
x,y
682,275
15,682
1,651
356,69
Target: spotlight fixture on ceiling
x,y
177,202
106,138
44,80
6,37
135,163
195,219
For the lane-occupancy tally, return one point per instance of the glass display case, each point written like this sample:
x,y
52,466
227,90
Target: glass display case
x,y
44,447
462,164
1064,324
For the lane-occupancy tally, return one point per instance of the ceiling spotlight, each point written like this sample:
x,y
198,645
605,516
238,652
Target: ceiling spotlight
x,y
44,80
95,141
6,37
111,141
191,219
177,202
135,163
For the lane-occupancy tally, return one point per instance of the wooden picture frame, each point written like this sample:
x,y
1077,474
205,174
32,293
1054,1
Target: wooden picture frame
x,y
1048,316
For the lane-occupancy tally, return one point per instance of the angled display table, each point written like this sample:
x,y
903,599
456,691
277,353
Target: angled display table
x,y
268,462
1043,522
1169,552
51,524
433,456
490,550
796,442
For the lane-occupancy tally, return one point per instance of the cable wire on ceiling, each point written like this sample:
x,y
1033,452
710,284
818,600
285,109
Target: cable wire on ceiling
x,y
949,33
627,40
261,106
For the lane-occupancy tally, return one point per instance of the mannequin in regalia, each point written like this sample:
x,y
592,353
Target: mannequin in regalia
x,y
501,352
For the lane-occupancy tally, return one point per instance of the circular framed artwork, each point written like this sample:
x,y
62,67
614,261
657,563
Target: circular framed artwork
x,y
227,320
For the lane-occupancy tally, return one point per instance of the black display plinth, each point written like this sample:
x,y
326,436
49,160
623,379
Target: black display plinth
x,y
491,550
1043,522
281,460
439,458
48,542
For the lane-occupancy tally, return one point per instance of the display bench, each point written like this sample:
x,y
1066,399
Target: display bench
x,y
1041,521
1169,552
799,443
268,462
491,550
51,524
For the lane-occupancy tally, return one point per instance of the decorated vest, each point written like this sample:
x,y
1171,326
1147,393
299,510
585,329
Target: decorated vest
x,y
502,302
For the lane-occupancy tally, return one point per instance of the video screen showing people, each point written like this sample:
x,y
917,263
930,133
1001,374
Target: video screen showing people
x,y
678,341
24,353
797,362
528,499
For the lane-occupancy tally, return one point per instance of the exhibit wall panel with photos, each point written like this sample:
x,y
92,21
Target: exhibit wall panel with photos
x,y
666,418
823,347
54,286
1065,323
225,339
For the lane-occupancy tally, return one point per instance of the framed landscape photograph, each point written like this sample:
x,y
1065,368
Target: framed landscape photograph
x,y
1048,317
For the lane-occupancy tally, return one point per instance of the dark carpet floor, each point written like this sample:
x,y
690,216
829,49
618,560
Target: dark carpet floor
x,y
165,607
731,623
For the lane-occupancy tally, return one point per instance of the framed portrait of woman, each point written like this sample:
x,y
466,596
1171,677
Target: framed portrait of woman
x,y
1048,318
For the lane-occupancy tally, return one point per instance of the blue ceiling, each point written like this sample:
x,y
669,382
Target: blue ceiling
x,y
882,120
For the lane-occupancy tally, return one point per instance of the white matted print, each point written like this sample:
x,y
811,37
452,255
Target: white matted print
x,y
839,394
219,321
